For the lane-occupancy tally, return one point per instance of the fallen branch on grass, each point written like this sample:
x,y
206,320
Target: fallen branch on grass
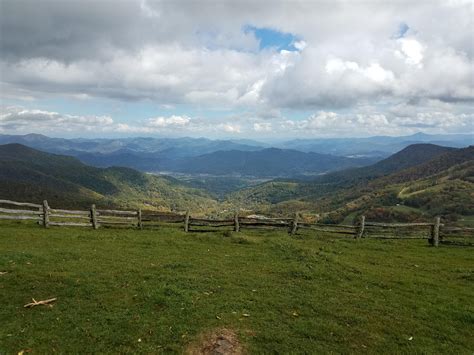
x,y
37,303
3,273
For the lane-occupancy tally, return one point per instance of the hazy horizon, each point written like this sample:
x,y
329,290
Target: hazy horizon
x,y
265,140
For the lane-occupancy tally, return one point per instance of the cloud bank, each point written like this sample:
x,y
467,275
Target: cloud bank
x,y
371,66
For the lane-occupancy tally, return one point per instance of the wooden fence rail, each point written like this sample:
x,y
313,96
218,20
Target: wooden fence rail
x,y
46,216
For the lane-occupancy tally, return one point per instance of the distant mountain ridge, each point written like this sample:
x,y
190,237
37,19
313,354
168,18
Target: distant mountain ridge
x,y
192,156
290,159
186,146
266,162
175,147
375,146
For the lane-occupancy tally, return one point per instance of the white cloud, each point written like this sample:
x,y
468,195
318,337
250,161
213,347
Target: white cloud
x,y
338,66
18,119
229,128
262,127
378,74
412,50
157,125
345,125
320,120
300,45
373,72
168,75
126,128
172,121
430,116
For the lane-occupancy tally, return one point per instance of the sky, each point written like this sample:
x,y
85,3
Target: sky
x,y
236,69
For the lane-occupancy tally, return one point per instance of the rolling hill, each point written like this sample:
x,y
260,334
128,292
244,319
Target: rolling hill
x,y
448,193
280,190
31,175
429,179
410,156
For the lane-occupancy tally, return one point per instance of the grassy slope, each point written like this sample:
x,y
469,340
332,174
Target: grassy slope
x,y
313,295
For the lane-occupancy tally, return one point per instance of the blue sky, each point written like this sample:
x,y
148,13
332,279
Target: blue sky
x,y
271,38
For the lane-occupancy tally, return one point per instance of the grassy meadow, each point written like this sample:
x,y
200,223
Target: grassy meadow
x,y
159,291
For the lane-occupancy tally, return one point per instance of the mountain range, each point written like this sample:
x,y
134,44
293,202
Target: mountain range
x,y
191,156
245,158
416,183
172,147
375,146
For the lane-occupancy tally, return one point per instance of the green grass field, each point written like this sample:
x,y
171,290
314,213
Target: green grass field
x,y
127,291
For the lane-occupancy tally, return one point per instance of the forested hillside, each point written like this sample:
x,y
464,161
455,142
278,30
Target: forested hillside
x,y
282,190
416,183
271,162
30,175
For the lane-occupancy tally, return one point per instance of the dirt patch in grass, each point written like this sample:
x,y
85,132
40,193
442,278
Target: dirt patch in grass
x,y
218,342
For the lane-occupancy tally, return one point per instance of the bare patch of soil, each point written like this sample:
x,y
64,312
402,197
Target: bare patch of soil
x,y
219,342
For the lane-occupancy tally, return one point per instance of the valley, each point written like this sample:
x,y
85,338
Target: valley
x,y
418,182
219,186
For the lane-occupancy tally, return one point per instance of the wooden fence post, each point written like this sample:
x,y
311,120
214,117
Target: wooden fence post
x,y
360,232
186,222
236,222
94,217
294,226
139,217
435,232
45,214
40,211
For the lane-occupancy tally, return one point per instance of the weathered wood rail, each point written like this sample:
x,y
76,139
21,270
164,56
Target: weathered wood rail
x,y
435,232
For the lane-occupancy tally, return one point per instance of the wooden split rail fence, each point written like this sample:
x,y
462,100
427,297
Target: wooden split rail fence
x,y
46,216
